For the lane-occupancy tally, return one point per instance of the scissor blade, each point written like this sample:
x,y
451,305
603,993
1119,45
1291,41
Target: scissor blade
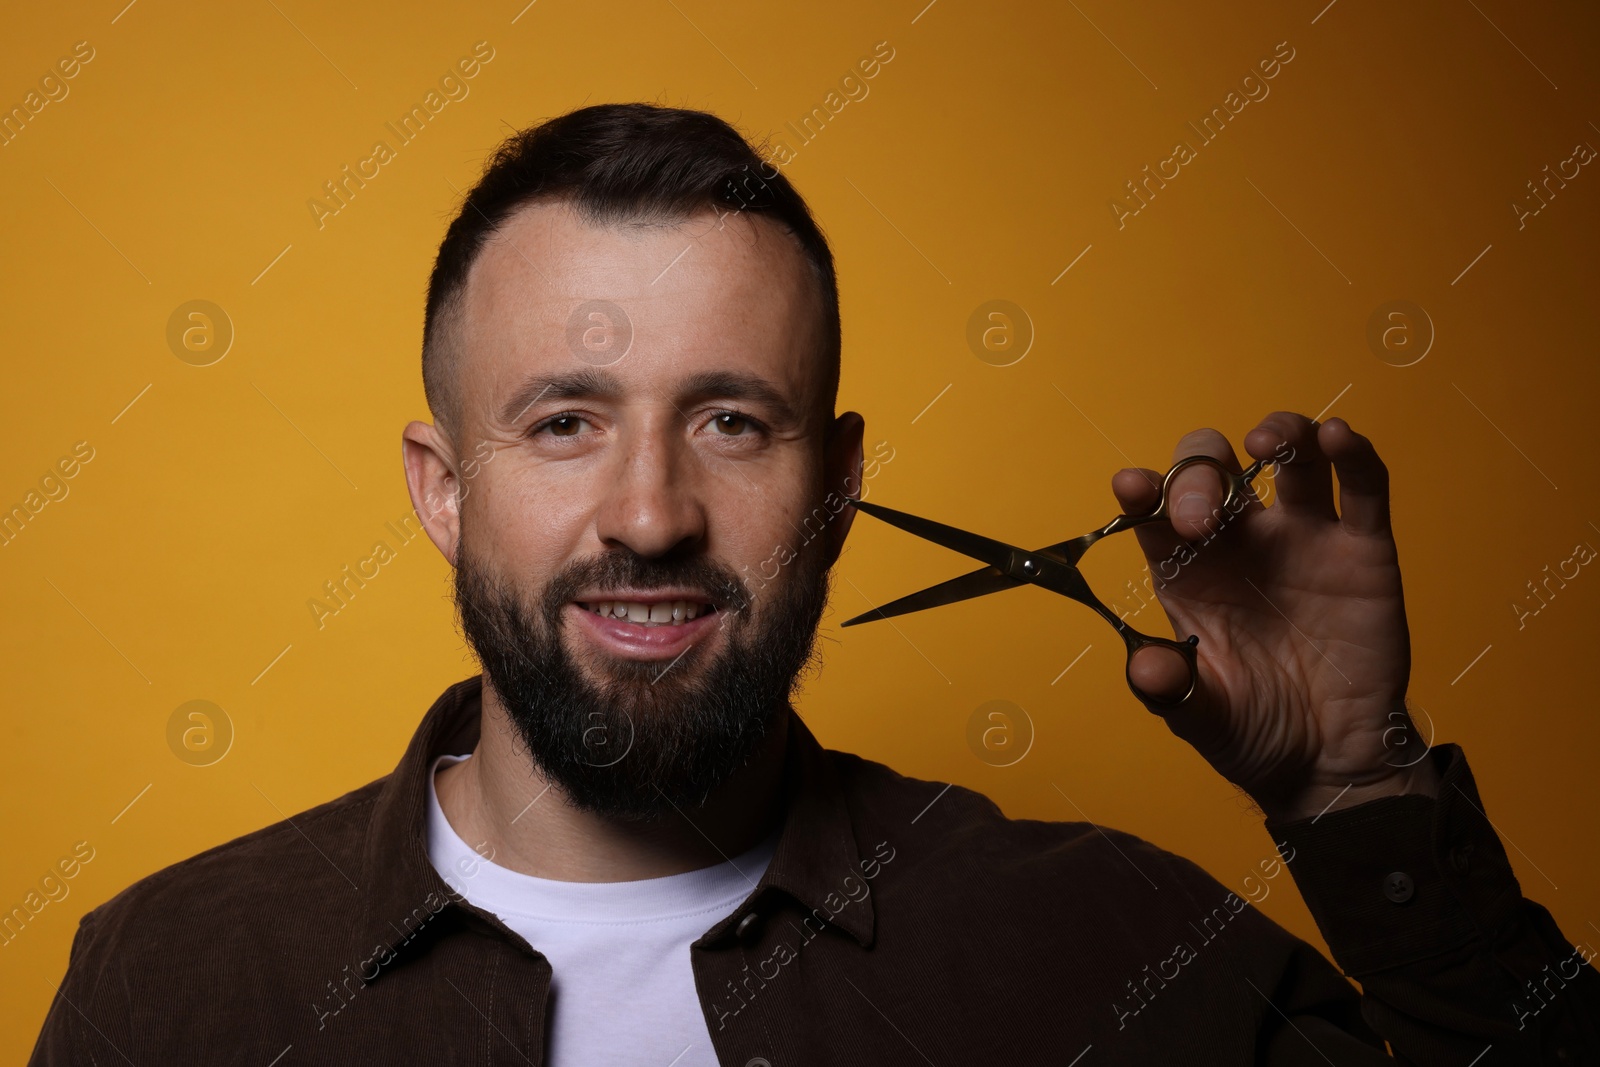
x,y
987,550
981,582
1069,551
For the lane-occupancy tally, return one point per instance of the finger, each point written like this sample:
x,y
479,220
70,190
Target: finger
x,y
1162,673
1138,490
1159,671
1363,478
1194,499
1302,475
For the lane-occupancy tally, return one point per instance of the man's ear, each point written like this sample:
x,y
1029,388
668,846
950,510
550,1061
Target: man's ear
x,y
842,476
432,480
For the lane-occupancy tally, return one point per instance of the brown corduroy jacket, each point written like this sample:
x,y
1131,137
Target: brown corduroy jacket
x,y
900,922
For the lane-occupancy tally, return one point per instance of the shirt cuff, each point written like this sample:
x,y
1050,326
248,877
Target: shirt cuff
x,y
1400,879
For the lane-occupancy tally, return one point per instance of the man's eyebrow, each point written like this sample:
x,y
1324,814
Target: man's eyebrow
x,y
738,386
573,385
593,382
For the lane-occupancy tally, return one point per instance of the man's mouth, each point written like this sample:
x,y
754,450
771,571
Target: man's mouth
x,y
649,612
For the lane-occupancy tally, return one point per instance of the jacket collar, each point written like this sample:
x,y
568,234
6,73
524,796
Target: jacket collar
x,y
402,893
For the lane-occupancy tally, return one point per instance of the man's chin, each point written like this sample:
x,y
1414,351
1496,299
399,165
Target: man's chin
x,y
632,720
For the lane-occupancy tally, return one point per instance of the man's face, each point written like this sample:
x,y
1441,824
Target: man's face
x,y
643,461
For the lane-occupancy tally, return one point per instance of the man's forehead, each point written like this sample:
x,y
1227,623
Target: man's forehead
x,y
552,293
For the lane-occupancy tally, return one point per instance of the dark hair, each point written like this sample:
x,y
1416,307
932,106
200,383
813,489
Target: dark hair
x,y
617,163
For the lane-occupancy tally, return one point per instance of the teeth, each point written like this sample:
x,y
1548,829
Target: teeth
x,y
660,613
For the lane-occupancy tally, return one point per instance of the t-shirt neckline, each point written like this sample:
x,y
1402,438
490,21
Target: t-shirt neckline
x,y
717,888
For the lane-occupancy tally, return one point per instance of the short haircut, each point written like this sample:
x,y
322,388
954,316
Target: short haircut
x,y
617,163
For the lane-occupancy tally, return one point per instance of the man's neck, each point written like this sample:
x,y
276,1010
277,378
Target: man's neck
x,y
500,804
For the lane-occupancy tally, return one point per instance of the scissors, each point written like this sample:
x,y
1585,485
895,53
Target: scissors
x,y
1054,567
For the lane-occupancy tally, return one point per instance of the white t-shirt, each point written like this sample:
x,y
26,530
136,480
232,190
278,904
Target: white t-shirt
x,y
622,989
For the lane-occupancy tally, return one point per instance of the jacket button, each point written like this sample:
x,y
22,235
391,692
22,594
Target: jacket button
x,y
748,929
1399,887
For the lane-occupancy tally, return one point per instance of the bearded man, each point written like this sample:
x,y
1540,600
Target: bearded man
x,y
621,845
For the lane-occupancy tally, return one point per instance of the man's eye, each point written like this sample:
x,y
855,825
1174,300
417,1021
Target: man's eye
x,y
730,424
565,425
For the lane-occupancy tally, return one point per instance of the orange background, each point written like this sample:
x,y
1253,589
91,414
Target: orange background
x,y
1383,165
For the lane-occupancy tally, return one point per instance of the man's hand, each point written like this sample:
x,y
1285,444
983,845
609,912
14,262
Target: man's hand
x,y
1304,653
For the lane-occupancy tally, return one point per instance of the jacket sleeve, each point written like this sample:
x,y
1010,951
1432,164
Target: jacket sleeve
x,y
1417,902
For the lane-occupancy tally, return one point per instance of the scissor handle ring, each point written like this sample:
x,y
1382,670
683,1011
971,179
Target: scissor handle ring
x,y
1186,648
1238,485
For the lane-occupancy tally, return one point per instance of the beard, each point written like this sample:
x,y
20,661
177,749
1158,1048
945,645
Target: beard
x,y
643,738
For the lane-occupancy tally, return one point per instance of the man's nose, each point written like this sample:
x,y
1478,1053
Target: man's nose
x,y
652,504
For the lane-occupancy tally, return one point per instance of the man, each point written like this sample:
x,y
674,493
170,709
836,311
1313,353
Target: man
x,y
622,846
